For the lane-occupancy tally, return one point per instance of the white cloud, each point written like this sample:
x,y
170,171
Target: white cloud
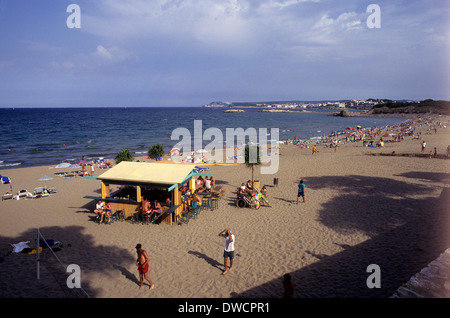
x,y
345,21
209,21
113,54
229,25
283,4
101,59
102,53
193,38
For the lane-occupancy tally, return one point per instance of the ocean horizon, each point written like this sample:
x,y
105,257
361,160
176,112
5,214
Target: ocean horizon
x,y
51,135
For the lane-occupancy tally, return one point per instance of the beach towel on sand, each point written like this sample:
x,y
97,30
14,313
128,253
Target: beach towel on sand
x,y
18,247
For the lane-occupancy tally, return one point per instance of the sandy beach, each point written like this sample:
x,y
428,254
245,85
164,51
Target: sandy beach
x,y
386,206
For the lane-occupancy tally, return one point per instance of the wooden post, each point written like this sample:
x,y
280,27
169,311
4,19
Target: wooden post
x,y
138,194
176,199
105,190
192,185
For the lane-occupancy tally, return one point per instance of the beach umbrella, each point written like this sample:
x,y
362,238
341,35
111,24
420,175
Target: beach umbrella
x,y
45,178
63,165
350,128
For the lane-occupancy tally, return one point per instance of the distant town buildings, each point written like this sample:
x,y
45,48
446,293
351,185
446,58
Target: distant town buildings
x,y
348,104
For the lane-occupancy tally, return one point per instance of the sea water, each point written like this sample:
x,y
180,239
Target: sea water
x,y
47,136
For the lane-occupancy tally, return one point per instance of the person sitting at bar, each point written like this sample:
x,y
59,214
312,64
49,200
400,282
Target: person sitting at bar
x,y
196,198
213,182
200,183
145,207
155,208
106,212
208,184
99,209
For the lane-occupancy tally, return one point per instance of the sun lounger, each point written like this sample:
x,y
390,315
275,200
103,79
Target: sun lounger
x,y
24,193
7,196
51,190
199,169
40,192
5,179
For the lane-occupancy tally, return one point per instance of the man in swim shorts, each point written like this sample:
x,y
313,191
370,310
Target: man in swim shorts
x,y
142,264
229,249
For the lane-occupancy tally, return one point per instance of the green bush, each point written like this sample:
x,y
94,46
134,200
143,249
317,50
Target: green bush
x,y
155,151
124,155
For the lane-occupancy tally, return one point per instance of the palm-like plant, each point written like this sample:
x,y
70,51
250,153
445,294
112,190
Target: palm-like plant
x,y
252,157
155,151
124,155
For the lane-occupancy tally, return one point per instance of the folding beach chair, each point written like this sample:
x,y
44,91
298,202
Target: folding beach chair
x,y
5,179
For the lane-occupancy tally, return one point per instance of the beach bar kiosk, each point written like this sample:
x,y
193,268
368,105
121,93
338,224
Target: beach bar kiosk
x,y
152,181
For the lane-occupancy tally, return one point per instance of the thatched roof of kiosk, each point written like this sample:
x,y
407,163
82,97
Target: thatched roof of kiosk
x,y
147,173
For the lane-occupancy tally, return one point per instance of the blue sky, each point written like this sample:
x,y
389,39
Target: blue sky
x,y
191,52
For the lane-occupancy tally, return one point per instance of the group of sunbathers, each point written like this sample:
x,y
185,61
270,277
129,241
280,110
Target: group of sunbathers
x,y
102,210
247,189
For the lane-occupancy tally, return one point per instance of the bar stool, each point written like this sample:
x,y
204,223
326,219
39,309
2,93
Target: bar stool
x,y
214,203
119,215
205,203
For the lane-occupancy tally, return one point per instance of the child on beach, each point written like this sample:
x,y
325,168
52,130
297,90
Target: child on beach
x,y
301,191
288,286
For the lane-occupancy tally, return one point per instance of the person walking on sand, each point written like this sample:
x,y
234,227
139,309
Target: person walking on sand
x,y
229,249
301,191
142,264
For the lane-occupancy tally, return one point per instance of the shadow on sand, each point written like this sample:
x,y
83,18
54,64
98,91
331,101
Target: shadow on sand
x,y
76,249
407,229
